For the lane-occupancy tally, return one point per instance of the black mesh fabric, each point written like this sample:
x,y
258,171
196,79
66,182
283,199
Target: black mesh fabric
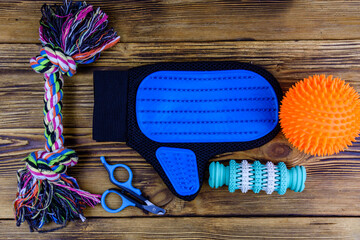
x,y
121,124
203,151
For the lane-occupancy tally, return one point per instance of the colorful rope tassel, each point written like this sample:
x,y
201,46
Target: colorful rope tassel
x,y
72,33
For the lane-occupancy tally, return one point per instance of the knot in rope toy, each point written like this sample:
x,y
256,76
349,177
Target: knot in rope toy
x,y
53,59
71,34
50,165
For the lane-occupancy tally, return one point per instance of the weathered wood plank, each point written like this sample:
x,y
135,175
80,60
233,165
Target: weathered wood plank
x,y
22,93
196,228
198,30
21,89
163,20
21,127
331,189
285,58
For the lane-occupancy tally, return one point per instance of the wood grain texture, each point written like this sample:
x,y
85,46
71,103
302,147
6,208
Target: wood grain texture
x,y
196,228
331,188
21,89
285,59
21,129
201,20
294,39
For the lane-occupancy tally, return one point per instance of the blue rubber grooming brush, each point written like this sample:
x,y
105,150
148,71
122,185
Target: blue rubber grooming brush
x,y
257,177
207,106
179,115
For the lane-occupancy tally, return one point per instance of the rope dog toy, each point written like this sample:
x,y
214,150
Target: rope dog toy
x,y
71,34
257,177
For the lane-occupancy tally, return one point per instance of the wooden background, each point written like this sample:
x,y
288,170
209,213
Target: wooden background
x,y
291,39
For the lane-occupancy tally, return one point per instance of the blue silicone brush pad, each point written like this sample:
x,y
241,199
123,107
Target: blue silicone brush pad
x,y
206,106
179,115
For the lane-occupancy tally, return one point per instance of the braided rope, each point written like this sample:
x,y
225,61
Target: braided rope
x,y
52,59
53,162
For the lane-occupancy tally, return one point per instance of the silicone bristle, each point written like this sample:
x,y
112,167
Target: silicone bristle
x,y
320,115
206,107
180,167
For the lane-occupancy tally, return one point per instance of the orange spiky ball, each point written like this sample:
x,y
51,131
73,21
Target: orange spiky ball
x,y
320,115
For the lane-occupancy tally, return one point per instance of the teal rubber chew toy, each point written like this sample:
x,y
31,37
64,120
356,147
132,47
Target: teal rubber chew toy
x,y
256,177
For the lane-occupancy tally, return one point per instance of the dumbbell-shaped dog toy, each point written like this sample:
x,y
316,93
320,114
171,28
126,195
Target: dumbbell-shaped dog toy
x,y
256,177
